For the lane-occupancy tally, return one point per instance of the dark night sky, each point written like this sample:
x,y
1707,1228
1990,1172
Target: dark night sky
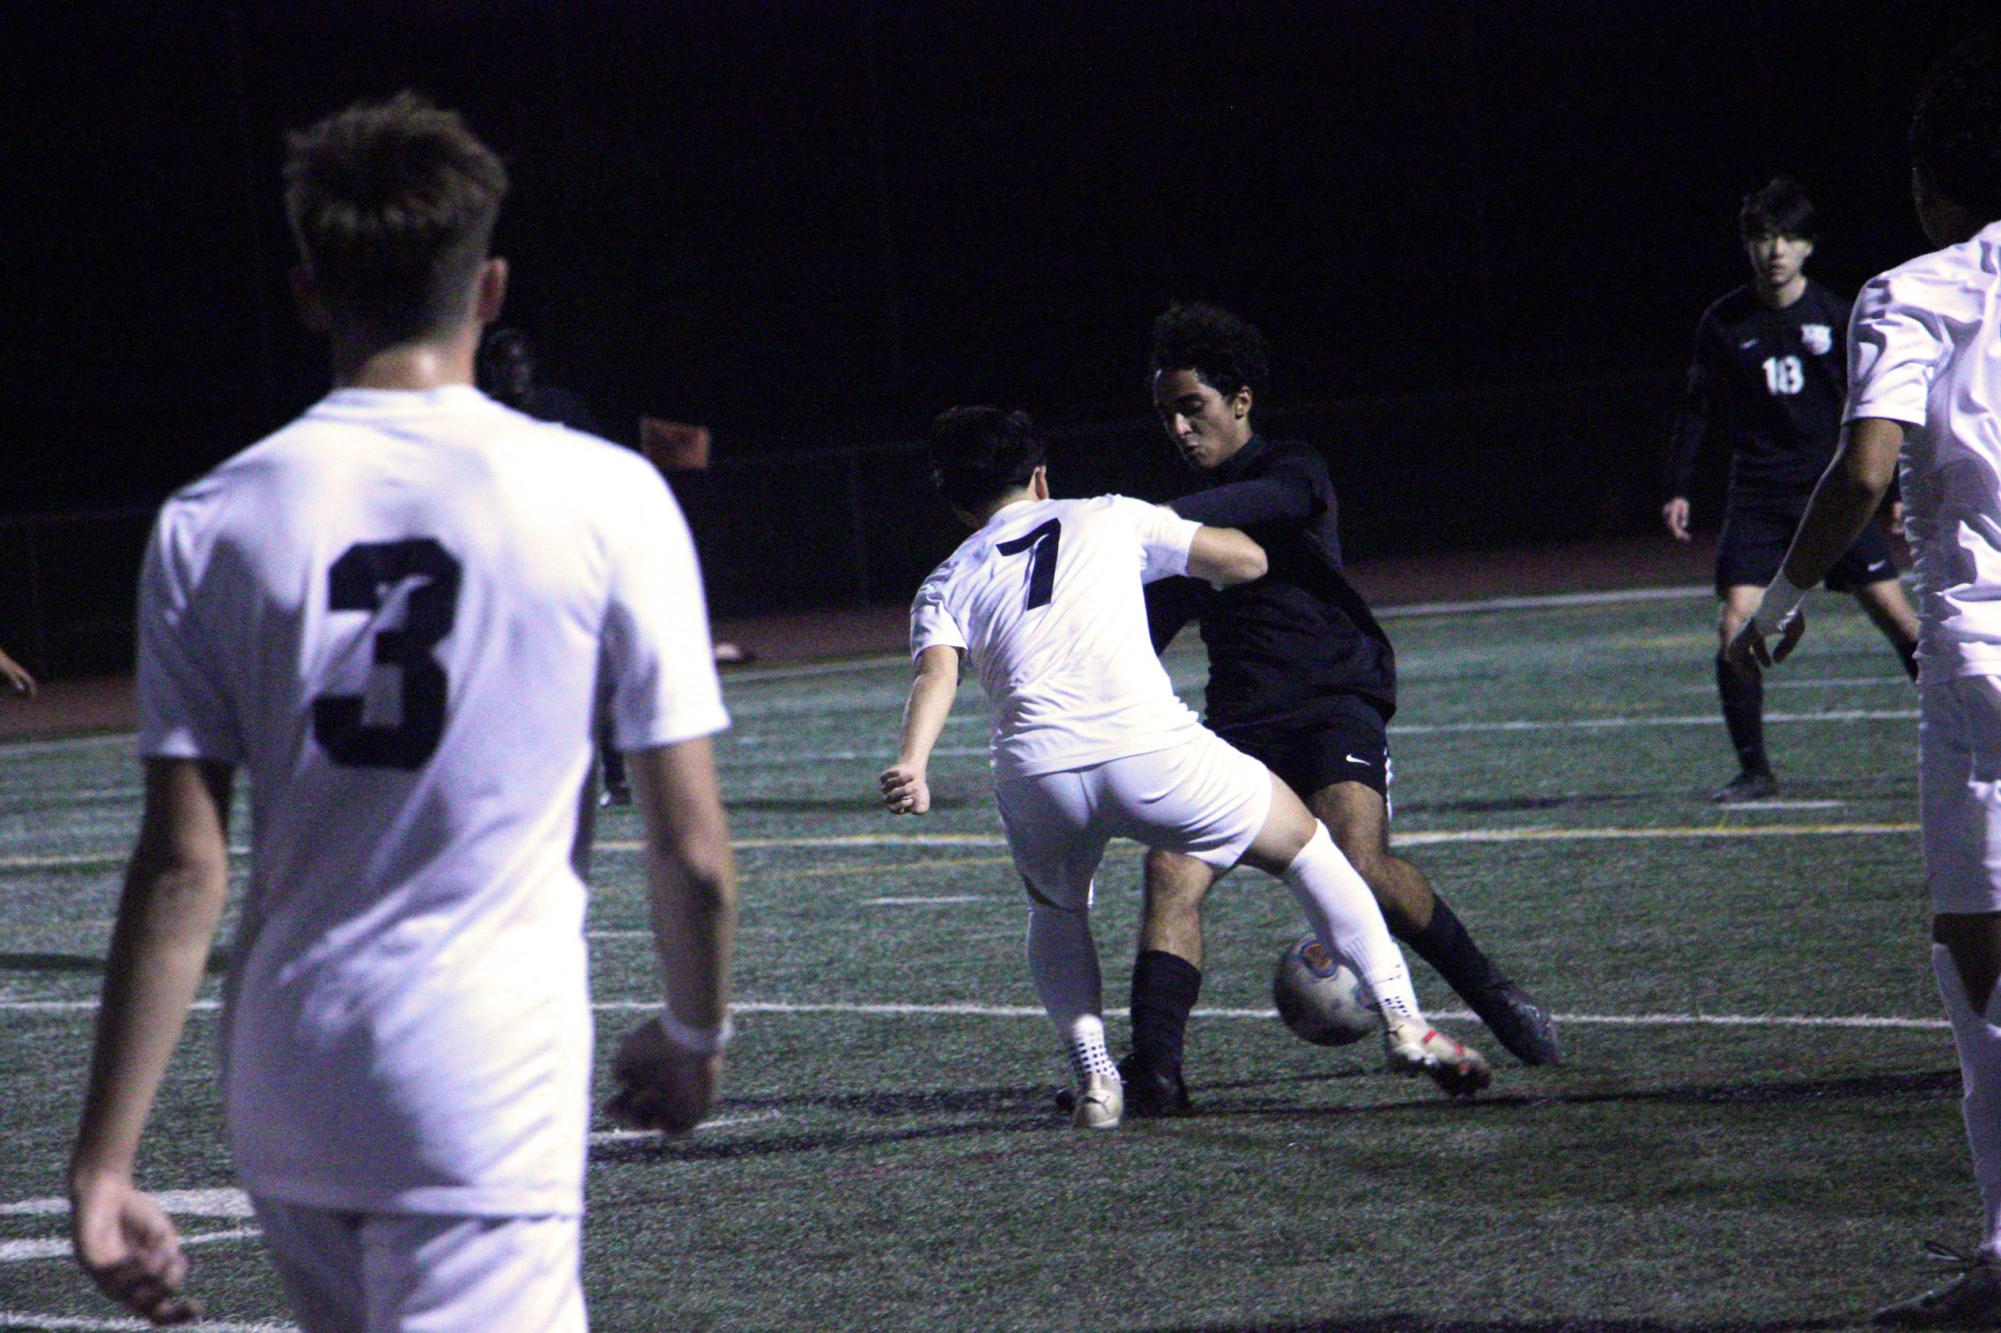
x,y
816,222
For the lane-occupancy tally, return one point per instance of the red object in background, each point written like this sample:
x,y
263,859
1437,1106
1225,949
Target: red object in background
x,y
674,446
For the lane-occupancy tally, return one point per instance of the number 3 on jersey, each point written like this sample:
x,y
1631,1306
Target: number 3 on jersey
x,y
359,581
1041,547
1784,374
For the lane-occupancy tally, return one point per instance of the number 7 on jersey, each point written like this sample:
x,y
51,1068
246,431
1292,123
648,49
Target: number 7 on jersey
x,y
1041,547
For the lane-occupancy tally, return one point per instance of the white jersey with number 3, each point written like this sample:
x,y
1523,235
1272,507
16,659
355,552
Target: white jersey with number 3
x,y
395,615
1925,349
1045,600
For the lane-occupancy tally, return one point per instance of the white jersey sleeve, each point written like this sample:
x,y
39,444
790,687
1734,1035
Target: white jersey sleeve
x,y
1165,538
184,701
659,660
1896,348
931,622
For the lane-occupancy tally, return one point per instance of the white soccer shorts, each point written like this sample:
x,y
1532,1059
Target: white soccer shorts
x,y
423,1273
1959,792
1203,797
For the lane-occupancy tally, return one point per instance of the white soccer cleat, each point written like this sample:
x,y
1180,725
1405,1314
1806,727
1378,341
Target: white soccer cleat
x,y
1970,1300
1413,1047
1101,1103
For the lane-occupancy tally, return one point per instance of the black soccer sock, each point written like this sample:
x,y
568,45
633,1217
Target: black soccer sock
x,y
1743,698
1445,945
608,751
1165,988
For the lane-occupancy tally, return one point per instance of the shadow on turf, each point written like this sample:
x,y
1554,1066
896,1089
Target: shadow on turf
x,y
1927,1085
1015,1109
1404,1323
218,962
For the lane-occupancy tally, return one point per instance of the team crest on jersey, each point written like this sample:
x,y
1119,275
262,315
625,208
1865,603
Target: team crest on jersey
x,y
1819,338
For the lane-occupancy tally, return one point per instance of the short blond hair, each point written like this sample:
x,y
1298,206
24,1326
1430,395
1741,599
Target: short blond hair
x,y
393,205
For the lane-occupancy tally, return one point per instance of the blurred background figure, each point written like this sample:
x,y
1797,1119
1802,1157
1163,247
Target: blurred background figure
x,y
510,371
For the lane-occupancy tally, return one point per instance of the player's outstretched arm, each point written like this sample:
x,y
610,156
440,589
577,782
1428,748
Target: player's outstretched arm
x,y
1847,498
15,676
174,892
667,1067
905,788
1225,556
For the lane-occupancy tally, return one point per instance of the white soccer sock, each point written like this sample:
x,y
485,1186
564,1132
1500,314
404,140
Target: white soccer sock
x,y
1063,960
1344,914
1978,1040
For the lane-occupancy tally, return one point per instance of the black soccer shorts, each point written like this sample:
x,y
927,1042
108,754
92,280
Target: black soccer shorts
x,y
1754,542
1343,738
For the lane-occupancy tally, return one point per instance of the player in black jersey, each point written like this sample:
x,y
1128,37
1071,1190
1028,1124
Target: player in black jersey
x,y
1768,378
1301,677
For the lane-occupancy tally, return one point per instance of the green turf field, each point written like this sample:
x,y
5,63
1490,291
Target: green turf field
x,y
1758,1125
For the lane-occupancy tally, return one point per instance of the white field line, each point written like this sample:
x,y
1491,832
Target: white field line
x,y
1413,729
125,738
21,1251
1778,680
23,1319
1417,839
794,1007
180,1203
923,902
1624,723
727,1122
1627,596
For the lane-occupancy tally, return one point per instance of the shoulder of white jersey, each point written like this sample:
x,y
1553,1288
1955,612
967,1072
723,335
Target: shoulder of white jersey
x,y
1918,281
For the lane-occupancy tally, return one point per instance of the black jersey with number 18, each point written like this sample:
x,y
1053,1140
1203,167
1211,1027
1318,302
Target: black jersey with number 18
x,y
1769,385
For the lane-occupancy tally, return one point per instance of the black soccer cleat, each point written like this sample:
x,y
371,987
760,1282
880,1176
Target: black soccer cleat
x,y
1747,786
1521,1025
615,793
1151,1092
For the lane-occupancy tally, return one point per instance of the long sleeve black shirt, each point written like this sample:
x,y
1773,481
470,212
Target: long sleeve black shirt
x,y
1769,385
1300,634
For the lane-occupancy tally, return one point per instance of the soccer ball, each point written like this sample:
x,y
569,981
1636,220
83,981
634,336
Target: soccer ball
x,y
1320,998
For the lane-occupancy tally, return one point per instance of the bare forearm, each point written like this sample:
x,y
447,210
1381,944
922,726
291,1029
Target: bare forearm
x,y
159,950
1847,498
693,904
690,876
931,696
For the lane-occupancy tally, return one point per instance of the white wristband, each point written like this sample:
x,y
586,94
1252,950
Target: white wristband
x,y
694,1040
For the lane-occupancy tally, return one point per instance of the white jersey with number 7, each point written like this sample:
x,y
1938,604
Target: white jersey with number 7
x,y
1045,600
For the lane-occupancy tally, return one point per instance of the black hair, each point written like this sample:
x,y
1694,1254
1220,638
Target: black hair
x,y
1956,131
1227,352
1781,208
979,454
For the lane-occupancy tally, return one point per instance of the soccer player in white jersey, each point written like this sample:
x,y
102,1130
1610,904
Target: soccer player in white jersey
x,y
396,615
1090,742
1924,384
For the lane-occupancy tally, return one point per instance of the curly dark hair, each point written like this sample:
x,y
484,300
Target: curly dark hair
x,y
1781,208
1227,352
979,454
1956,131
